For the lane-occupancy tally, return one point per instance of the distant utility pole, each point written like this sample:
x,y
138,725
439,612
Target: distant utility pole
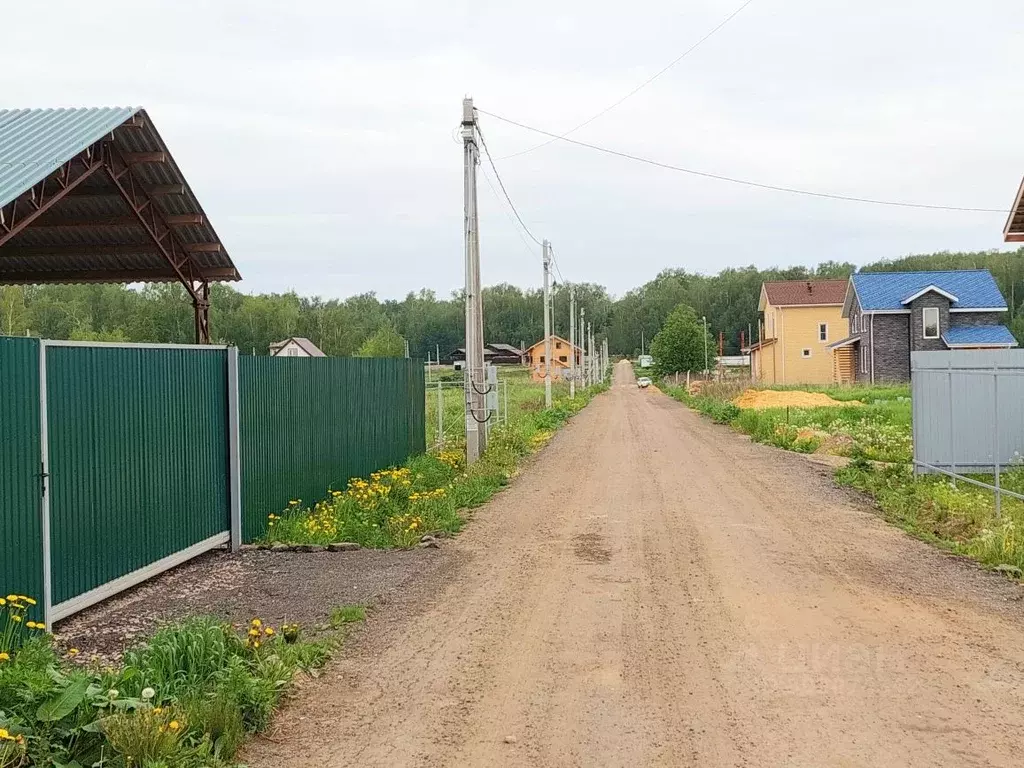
x,y
475,376
641,340
604,351
546,250
590,353
406,349
583,346
572,342
705,319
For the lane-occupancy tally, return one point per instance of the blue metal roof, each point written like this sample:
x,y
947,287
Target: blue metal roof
x,y
36,142
980,335
974,288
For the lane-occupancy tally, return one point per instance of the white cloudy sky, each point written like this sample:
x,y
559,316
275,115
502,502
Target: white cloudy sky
x,y
319,135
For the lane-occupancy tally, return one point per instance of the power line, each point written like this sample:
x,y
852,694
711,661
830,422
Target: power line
x,y
640,87
554,262
743,182
497,197
502,185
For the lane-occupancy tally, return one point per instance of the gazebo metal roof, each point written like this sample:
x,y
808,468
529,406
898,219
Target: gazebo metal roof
x,y
1013,232
94,195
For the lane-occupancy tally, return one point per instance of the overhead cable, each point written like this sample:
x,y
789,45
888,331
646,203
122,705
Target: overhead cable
x,y
640,87
744,182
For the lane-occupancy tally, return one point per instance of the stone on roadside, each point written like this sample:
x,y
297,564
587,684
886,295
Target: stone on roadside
x,y
279,547
343,546
432,544
1009,570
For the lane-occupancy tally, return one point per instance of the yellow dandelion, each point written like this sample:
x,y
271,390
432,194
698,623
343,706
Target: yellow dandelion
x,y
4,656
174,725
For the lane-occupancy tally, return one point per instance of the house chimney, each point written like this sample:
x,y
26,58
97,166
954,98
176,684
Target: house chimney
x,y
809,287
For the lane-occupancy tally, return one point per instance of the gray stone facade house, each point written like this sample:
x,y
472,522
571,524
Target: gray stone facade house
x,y
892,314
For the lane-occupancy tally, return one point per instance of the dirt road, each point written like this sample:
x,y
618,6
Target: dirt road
x,y
656,590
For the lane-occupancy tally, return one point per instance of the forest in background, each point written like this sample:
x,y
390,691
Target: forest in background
x,y
161,312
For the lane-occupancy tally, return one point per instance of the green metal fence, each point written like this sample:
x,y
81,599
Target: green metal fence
x,y
118,461
21,539
308,425
137,450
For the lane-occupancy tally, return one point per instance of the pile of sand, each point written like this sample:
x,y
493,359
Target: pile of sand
x,y
771,398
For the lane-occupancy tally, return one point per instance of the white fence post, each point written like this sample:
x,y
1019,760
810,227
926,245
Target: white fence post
x,y
234,448
952,440
440,414
995,432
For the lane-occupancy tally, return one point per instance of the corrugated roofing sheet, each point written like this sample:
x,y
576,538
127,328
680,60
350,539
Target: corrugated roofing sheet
x,y
978,334
91,234
36,142
974,288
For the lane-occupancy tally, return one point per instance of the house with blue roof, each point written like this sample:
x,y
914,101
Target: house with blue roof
x,y
892,314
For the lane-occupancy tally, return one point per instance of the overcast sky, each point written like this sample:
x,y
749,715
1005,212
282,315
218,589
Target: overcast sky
x,y
320,136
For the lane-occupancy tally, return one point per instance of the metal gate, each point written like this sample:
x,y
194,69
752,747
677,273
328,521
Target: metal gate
x,y
135,448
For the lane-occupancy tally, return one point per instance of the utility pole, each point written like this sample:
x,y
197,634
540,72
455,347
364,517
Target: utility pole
x,y
583,346
546,249
641,340
572,342
475,376
604,354
705,319
590,354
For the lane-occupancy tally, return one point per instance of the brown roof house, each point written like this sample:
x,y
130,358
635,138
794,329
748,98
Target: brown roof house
x,y
296,346
801,318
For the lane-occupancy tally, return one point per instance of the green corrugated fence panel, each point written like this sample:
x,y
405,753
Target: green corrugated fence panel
x,y
21,544
138,458
309,424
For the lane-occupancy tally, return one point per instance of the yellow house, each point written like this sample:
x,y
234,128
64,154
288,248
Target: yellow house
x,y
534,357
801,318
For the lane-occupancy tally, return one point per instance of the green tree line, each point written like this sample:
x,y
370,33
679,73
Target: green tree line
x,y
365,323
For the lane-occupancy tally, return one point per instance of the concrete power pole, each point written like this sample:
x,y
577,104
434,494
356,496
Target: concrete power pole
x,y
583,346
475,376
572,343
546,248
590,354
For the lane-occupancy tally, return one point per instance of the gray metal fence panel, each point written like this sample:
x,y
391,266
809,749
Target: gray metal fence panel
x,y
968,409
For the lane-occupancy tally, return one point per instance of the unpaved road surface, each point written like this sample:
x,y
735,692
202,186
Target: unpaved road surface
x,y
658,591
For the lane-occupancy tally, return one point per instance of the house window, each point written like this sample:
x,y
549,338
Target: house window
x,y
805,353
558,345
930,322
542,358
563,358
863,323
293,352
863,359
822,331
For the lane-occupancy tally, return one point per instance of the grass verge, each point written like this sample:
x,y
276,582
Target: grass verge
x,y
186,698
430,493
876,436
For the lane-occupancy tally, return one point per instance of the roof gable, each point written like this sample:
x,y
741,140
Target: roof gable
x,y
790,293
930,288
890,291
553,339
